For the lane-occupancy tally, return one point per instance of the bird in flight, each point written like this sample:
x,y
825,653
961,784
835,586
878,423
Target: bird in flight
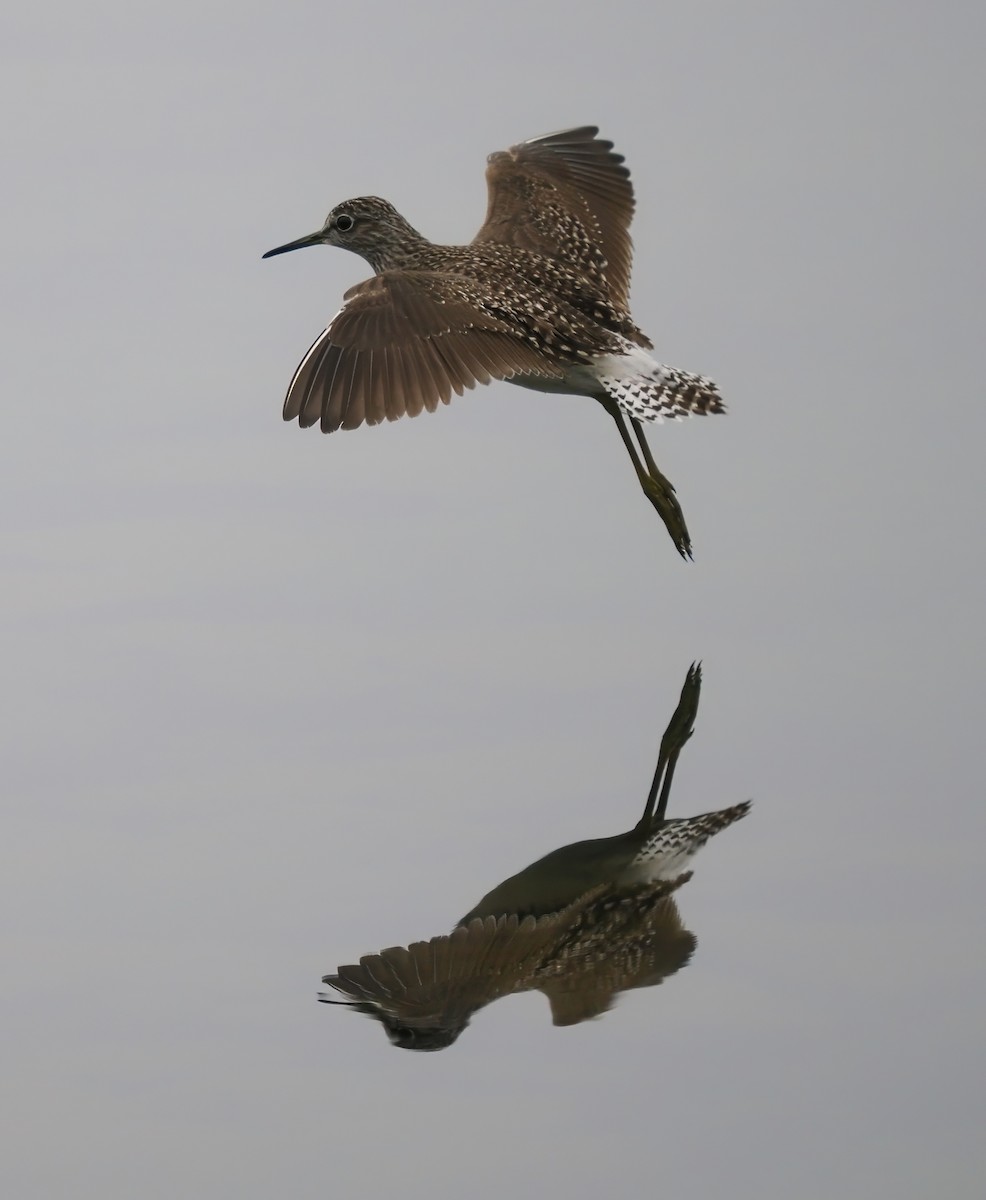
x,y
539,298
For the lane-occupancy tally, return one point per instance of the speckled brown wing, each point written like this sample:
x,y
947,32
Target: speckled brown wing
x,y
403,342
616,940
566,195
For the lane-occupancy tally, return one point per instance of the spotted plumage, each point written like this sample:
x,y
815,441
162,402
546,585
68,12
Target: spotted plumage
x,y
424,995
580,925
539,298
672,846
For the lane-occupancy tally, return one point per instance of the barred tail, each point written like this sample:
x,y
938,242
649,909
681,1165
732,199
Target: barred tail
x,y
675,843
650,391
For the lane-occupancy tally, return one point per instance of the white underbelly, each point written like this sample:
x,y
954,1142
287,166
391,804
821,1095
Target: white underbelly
x,y
577,381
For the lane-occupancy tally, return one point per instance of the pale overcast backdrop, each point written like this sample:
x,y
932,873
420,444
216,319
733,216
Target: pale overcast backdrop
x,y
274,700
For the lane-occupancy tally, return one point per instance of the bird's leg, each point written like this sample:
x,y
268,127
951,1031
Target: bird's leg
x,y
665,487
638,429
679,730
658,490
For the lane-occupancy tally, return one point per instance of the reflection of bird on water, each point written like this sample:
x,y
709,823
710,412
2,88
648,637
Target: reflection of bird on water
x,y
580,925
425,995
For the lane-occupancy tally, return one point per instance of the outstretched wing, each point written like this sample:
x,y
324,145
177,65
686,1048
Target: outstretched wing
x,y
616,939
568,196
424,994
403,342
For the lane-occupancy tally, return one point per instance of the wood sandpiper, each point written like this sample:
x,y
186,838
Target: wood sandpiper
x,y
538,298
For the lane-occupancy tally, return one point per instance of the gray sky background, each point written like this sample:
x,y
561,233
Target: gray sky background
x,y
274,700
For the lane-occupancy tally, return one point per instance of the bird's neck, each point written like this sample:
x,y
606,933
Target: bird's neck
x,y
402,252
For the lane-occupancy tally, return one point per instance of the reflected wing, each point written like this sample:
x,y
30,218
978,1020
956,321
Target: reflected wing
x,y
403,342
568,196
425,994
617,940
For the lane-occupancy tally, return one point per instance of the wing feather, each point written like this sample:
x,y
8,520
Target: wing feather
x,y
568,196
401,344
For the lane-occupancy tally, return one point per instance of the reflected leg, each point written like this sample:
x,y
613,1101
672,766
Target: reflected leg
x,y
680,729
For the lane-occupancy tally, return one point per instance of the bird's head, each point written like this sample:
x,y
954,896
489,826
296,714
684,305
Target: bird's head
x,y
367,225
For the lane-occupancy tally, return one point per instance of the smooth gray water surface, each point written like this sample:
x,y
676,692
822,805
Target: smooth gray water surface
x,y
275,700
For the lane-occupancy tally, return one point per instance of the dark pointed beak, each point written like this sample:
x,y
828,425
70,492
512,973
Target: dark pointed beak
x,y
311,239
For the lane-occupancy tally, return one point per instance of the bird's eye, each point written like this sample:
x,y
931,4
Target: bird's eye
x,y
344,222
